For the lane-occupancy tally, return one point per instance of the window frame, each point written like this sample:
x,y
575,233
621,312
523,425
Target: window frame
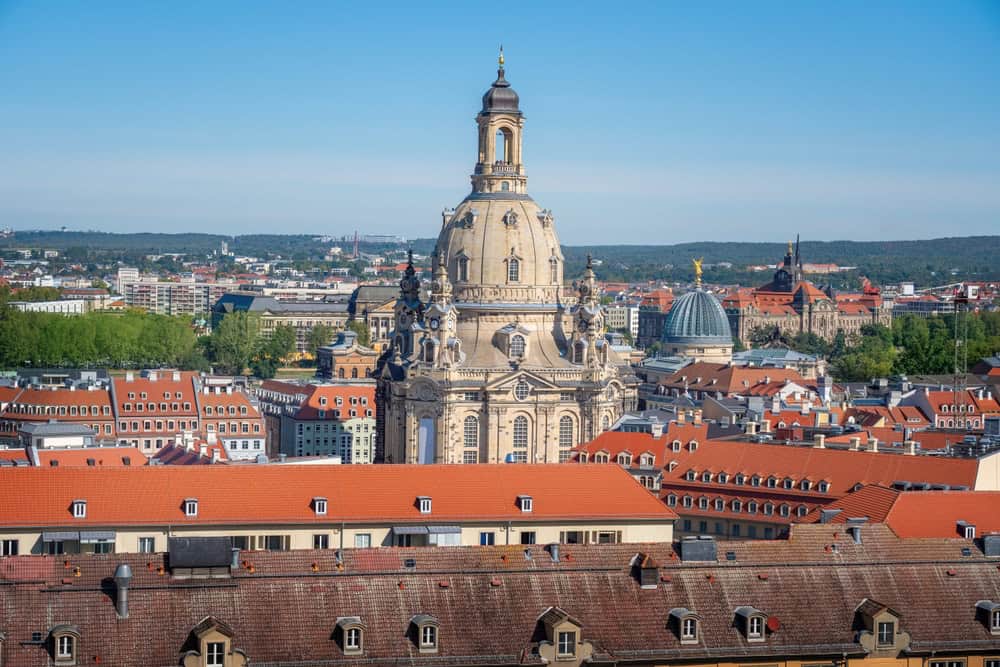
x,y
65,648
428,643
212,658
689,635
890,641
566,644
756,634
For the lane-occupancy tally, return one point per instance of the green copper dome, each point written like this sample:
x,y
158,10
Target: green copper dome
x,y
697,317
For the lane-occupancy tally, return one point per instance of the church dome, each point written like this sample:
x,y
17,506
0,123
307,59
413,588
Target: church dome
x,y
500,98
697,317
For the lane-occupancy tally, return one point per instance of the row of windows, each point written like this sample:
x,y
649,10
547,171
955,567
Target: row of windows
x,y
181,425
61,410
470,431
338,415
513,270
144,396
736,505
623,458
142,407
222,410
756,480
735,528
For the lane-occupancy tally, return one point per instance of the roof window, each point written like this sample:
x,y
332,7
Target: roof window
x,y
424,504
191,507
526,503
319,505
753,622
79,509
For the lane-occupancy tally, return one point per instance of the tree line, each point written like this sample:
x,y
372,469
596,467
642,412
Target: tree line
x,y
911,346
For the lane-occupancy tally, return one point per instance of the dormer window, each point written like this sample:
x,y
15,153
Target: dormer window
x,y
706,476
989,614
517,346
624,459
805,485
788,483
675,445
739,479
824,487
79,509
685,623
526,503
351,633
64,640
319,505
424,504
426,627
754,623
723,478
690,475
191,507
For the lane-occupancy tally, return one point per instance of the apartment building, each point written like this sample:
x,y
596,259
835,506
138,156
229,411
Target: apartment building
x,y
320,419
278,507
89,406
234,421
173,298
302,316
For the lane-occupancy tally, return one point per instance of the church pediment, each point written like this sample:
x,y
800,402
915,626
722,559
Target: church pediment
x,y
508,381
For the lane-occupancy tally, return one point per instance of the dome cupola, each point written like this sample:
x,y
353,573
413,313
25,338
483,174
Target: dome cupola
x,y
697,317
500,98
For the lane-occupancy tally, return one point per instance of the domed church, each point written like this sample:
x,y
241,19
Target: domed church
x,y
497,366
697,326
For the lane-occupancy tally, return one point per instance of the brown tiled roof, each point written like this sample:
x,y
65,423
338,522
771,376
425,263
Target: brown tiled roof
x,y
282,607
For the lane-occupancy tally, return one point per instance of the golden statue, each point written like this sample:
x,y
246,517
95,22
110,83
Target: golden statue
x,y
697,270
500,59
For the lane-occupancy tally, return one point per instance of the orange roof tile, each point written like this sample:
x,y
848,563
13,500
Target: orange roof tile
x,y
920,513
101,456
153,495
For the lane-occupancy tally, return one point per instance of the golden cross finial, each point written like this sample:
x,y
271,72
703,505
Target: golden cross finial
x,y
697,270
500,59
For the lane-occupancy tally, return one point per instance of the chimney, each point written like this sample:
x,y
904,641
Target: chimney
x,y
910,448
176,376
872,444
215,456
776,404
979,394
234,557
153,375
211,437
206,390
123,577
229,389
750,428
805,407
766,427
819,441
680,416
855,444
554,551
645,570
203,450
854,528
130,377
696,417
827,515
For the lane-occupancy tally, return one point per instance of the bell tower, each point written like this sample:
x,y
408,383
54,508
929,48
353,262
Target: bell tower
x,y
499,167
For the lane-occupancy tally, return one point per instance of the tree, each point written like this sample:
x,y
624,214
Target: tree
x,y
234,342
361,328
273,350
319,335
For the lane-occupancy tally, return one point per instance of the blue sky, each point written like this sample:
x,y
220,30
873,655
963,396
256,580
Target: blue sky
x,y
652,122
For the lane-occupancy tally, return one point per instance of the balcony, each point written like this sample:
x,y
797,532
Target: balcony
x,y
504,169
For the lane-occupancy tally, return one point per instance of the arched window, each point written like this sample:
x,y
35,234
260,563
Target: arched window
x,y
565,431
520,431
513,270
605,423
463,269
354,372
471,431
517,345
340,372
502,147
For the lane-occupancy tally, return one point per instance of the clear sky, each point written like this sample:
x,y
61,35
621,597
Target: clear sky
x,y
646,123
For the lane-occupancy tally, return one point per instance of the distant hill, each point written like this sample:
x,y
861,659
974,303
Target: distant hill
x,y
926,263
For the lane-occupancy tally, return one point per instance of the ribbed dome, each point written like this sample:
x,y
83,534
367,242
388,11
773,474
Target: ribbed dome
x,y
697,317
500,98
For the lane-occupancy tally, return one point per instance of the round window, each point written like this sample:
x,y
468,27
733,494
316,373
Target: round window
x,y
521,390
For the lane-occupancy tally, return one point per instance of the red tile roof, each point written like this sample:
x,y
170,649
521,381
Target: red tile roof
x,y
156,393
101,456
284,493
921,513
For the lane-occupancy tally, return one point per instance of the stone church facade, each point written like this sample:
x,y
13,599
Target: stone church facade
x,y
497,366
792,305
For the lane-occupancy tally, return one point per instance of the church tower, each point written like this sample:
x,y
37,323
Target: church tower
x,y
485,372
